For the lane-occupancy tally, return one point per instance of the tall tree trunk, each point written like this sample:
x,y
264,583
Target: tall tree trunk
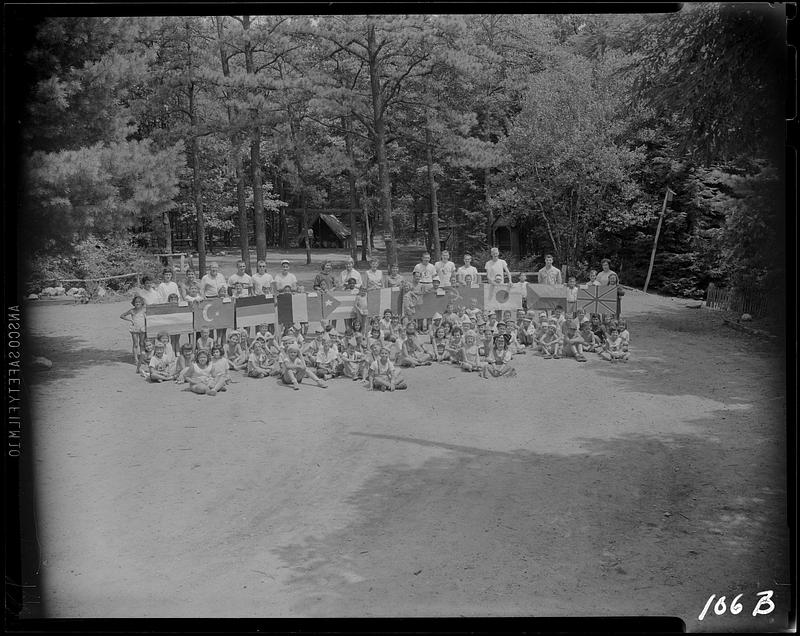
x,y
437,245
167,233
351,179
197,192
380,146
255,158
241,199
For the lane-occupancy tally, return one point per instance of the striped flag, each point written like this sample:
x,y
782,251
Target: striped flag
x,y
295,308
546,296
595,299
338,305
379,300
503,296
214,314
168,317
255,310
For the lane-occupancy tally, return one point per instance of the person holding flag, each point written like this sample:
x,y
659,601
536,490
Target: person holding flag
x,y
349,273
445,269
467,269
285,278
602,276
426,271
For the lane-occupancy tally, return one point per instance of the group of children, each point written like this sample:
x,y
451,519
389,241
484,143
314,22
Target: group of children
x,y
373,353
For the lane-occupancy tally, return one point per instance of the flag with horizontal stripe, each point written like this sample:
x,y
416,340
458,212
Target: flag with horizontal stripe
x,y
546,297
168,317
297,308
214,314
595,299
379,300
255,310
502,297
338,305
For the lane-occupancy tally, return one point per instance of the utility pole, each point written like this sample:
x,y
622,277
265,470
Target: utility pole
x,y
667,197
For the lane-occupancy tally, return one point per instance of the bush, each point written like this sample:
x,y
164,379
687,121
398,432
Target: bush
x,y
92,258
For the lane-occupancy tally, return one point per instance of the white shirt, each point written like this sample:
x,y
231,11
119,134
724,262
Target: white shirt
x,y
444,270
166,289
150,296
427,272
602,277
210,286
374,279
345,276
282,280
262,283
493,268
244,279
465,271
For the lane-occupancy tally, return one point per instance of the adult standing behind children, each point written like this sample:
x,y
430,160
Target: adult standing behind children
x,y
190,279
550,275
285,278
348,273
325,280
262,282
496,265
467,269
212,282
602,276
394,279
241,276
445,269
426,271
374,275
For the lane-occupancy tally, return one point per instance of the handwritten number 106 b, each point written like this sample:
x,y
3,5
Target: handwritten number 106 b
x,y
764,605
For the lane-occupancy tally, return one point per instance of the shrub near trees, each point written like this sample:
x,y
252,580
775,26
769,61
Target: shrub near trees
x,y
571,125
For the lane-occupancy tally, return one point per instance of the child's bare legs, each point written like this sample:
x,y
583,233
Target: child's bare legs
x,y
606,356
157,376
314,377
136,349
289,377
557,351
380,383
408,361
175,341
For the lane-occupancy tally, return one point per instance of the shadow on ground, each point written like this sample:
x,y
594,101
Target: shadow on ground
x,y
632,525
70,356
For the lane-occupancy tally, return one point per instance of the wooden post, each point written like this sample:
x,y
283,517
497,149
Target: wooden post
x,y
667,197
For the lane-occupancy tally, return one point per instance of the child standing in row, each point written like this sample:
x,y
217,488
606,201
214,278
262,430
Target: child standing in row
x,y
136,315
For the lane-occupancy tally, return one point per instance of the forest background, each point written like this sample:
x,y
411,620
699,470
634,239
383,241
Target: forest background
x,y
133,131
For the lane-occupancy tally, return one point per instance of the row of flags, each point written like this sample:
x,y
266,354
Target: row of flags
x,y
339,305
250,311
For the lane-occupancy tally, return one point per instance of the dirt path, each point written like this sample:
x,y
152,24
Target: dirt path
x,y
595,489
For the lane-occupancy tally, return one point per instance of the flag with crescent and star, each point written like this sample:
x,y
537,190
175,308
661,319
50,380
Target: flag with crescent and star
x,y
214,314
503,296
595,299
546,297
255,310
168,317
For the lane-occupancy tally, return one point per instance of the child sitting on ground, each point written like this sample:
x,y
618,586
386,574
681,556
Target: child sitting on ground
x,y
612,348
383,375
205,341
590,342
455,346
625,335
439,343
200,375
145,356
220,366
470,356
184,360
497,362
412,354
236,354
353,363
327,361
161,368
573,342
258,363
294,370
551,342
